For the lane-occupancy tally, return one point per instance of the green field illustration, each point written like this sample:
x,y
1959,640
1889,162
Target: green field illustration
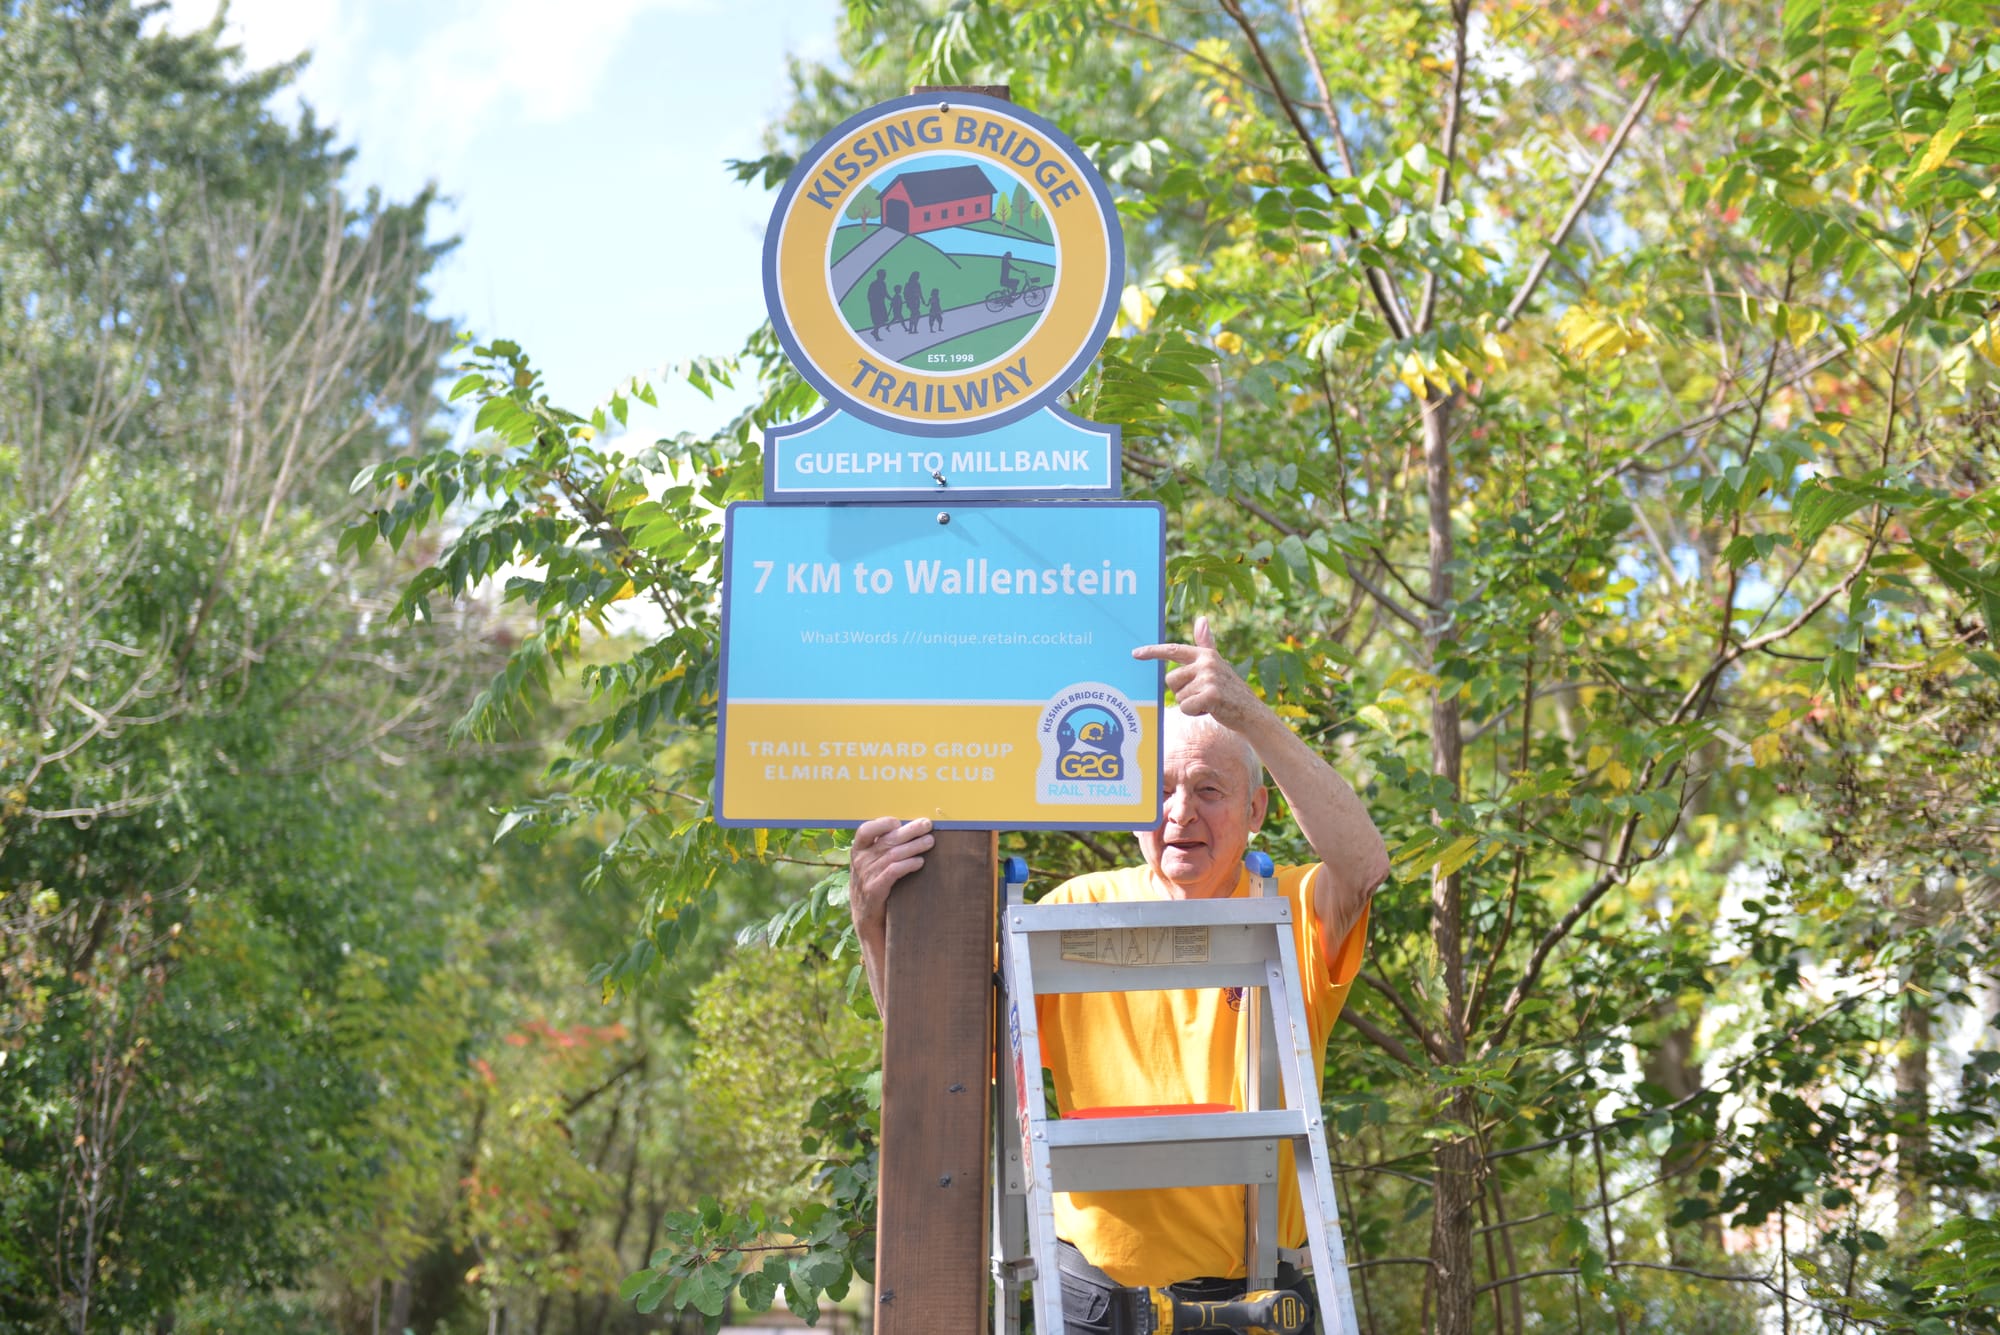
x,y
943,263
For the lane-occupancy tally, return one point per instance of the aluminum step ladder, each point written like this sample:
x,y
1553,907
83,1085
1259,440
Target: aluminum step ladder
x,y
1151,946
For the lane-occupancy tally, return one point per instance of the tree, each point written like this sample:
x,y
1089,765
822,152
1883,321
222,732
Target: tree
x,y
202,336
1583,416
867,204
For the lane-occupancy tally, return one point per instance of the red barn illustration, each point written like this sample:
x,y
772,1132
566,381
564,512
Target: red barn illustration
x,y
947,197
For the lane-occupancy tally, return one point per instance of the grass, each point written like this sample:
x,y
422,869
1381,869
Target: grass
x,y
960,279
846,237
984,344
1038,232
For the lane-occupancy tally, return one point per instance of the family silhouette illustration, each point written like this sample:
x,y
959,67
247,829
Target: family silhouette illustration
x,y
889,306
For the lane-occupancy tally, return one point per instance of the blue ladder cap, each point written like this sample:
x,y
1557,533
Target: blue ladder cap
x,y
1259,862
1014,871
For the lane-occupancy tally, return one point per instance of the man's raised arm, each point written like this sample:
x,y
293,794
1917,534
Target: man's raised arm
x,y
1326,808
885,851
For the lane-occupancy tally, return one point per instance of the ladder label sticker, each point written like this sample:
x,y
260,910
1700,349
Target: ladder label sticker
x,y
1137,946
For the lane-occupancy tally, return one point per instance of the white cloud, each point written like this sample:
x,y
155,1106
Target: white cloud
x,y
416,84
269,32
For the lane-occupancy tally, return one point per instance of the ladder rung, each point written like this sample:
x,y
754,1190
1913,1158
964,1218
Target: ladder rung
x,y
1175,1128
1149,913
1178,1150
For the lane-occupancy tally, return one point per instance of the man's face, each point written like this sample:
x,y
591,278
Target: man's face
x,y
1210,808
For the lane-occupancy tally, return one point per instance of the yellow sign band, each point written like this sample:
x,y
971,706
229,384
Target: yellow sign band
x,y
852,762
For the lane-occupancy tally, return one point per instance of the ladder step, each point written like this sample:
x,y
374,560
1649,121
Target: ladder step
x,y
1175,1128
1198,1150
1037,918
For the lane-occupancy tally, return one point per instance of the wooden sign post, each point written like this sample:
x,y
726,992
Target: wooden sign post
x,y
931,611
931,1243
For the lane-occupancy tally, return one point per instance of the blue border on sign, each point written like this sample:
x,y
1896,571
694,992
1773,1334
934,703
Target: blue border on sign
x,y
1111,489
1159,684
1052,386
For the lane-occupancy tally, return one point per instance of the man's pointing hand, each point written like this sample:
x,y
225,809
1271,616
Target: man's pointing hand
x,y
1205,683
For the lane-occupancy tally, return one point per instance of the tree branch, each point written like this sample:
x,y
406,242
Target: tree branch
x,y
1384,291
575,1105
1411,1019
1461,13
1379,1036
1588,191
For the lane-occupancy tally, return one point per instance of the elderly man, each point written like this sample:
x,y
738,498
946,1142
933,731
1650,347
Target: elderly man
x,y
1177,1047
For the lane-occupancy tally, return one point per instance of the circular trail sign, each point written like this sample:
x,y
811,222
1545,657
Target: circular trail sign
x,y
943,264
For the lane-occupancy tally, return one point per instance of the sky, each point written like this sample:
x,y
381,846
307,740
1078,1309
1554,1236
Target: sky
x,y
580,144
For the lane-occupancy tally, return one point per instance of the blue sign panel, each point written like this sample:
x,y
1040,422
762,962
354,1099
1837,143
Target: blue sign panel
x,y
834,456
967,662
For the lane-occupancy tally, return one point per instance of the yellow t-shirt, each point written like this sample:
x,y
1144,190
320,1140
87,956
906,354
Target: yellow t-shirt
x,y
1123,1049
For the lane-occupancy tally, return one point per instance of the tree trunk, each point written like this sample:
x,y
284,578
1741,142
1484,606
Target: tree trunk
x,y
400,1295
1671,1065
1457,1168
1456,1165
1913,1117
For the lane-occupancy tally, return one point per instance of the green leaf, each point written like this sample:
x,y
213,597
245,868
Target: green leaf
x,y
705,1290
819,1267
651,1294
759,1289
1817,506
803,1299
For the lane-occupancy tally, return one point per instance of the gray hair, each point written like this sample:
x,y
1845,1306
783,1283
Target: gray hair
x,y
1205,725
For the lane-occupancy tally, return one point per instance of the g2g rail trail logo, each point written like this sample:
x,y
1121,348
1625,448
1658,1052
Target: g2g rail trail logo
x,y
1089,735
943,264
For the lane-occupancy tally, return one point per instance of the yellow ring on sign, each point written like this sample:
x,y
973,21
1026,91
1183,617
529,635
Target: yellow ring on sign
x,y
841,362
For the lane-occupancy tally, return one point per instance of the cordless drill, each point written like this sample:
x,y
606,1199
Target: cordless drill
x,y
1145,1311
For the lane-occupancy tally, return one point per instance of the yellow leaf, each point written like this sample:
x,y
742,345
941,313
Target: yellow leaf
x,y
1987,341
1457,855
1411,372
628,591
1229,341
1178,277
1617,775
763,841
1289,711
1940,148
1137,306
1766,748
1598,755
1589,333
